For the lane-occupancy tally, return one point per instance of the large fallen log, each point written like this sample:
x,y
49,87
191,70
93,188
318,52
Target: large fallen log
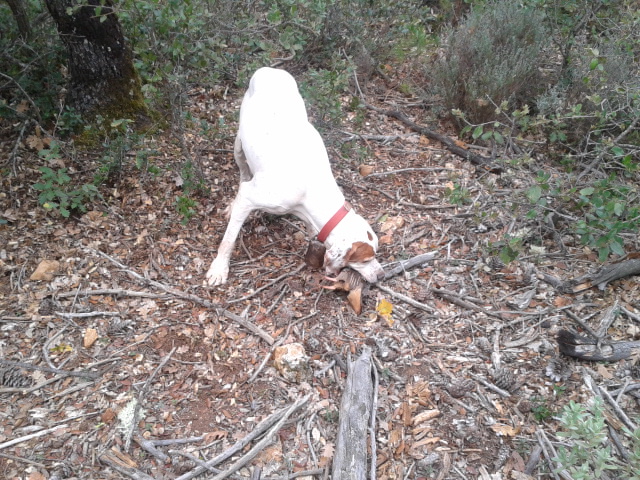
x,y
350,459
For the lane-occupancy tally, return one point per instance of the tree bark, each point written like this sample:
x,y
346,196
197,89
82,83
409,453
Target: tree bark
x,y
102,78
20,14
350,459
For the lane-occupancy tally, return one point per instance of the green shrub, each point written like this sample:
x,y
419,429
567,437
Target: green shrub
x,y
585,454
56,191
492,57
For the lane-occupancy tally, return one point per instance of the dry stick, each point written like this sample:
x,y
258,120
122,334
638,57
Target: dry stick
x,y
451,145
616,408
406,299
372,424
456,299
143,392
151,448
192,298
65,373
87,314
415,169
268,439
113,291
239,445
128,471
30,436
267,285
405,265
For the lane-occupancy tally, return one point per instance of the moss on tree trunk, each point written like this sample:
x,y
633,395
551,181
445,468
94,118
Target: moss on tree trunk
x,y
102,78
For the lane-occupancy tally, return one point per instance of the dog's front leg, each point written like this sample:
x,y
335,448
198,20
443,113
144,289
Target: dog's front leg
x,y
238,213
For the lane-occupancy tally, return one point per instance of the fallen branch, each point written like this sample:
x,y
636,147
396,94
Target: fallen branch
x,y
405,265
595,350
192,298
604,275
350,460
276,418
406,299
65,373
30,436
450,144
123,469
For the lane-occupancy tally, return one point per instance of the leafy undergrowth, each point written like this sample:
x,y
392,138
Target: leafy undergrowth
x,y
464,390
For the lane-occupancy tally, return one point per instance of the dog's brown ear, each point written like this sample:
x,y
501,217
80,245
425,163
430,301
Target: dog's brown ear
x,y
315,254
360,252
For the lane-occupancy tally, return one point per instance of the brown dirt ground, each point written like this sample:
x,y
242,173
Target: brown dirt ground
x,y
496,328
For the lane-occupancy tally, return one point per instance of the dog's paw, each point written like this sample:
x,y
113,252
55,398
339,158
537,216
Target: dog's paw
x,y
218,273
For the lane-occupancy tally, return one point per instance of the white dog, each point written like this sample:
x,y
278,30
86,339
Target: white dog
x,y
284,168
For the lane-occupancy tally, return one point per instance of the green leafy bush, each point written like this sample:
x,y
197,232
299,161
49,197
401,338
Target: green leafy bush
x,y
491,57
585,454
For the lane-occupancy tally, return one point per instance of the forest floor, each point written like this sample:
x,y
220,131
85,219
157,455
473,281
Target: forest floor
x,y
132,367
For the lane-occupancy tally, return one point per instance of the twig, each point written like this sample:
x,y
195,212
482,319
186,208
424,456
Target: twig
x,y
124,470
372,424
31,436
112,291
192,298
549,453
239,445
151,448
267,285
406,299
616,408
491,386
65,373
405,265
87,314
415,169
268,438
456,299
452,146
143,391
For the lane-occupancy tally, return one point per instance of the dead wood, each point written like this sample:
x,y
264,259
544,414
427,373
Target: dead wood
x,y
130,472
450,144
24,438
589,348
192,298
350,461
273,423
604,275
64,373
408,264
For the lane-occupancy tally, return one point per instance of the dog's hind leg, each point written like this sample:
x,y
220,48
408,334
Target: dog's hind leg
x,y
241,161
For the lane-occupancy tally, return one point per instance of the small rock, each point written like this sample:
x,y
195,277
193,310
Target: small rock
x,y
292,362
45,270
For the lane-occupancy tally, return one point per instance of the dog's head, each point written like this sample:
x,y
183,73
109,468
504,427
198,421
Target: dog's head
x,y
353,244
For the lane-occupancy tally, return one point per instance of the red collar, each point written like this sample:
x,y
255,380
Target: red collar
x,y
333,221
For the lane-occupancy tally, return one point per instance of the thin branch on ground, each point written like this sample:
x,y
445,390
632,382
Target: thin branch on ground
x,y
192,298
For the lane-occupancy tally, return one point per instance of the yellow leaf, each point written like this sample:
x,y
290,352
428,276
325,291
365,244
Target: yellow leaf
x,y
62,348
384,309
505,430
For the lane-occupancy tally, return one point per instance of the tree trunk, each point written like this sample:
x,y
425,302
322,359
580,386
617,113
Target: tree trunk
x,y
20,15
103,80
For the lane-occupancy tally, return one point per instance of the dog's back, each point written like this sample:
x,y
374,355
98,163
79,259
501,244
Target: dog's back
x,y
274,128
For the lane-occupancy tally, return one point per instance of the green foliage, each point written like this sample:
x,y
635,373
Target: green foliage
x,y
323,88
33,70
584,453
56,192
186,208
609,209
540,409
491,57
458,195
